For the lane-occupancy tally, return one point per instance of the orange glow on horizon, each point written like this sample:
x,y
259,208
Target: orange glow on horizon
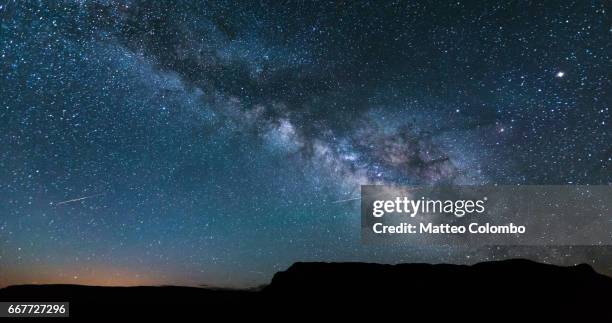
x,y
95,276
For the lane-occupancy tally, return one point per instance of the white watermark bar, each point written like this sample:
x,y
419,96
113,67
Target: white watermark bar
x,y
487,215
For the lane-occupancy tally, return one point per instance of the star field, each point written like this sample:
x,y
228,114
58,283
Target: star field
x,y
210,142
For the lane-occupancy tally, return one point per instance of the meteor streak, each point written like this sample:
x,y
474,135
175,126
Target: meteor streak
x,y
346,200
78,199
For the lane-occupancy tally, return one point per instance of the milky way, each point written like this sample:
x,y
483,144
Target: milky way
x,y
209,143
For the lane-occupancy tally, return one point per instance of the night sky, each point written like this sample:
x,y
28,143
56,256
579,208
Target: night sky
x,y
160,143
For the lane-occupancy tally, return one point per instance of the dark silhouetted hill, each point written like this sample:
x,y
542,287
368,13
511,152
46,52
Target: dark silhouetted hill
x,y
495,290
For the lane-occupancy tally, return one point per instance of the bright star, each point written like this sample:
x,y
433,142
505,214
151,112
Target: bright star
x,y
560,74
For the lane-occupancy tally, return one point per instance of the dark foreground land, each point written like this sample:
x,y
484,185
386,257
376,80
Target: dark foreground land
x,y
492,290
